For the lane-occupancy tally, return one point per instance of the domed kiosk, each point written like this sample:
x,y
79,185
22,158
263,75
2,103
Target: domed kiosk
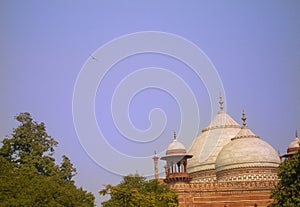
x,y
293,147
247,157
176,158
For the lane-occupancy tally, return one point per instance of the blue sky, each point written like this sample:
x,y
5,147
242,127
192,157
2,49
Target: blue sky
x,y
254,46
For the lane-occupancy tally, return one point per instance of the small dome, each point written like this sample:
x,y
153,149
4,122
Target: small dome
x,y
176,151
295,143
247,150
176,148
294,146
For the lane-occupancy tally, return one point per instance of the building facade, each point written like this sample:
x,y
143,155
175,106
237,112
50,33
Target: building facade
x,y
226,165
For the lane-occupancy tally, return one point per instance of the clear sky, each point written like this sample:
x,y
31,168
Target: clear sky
x,y
253,45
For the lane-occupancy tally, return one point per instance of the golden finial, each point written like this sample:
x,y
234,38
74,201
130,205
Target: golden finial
x,y
221,103
244,118
174,135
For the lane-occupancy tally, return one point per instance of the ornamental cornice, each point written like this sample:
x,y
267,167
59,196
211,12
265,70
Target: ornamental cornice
x,y
220,127
224,186
247,165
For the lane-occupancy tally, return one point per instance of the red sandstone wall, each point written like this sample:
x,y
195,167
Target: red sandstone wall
x,y
220,194
228,199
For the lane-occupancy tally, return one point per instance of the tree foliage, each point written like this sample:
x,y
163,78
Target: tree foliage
x,y
66,168
135,191
28,173
287,191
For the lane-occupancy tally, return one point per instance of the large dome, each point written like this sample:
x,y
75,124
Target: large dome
x,y
206,147
246,151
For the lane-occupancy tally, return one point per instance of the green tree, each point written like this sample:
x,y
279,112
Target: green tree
x,y
29,175
67,169
287,191
29,139
135,191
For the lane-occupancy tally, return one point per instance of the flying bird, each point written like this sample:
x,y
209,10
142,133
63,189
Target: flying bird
x,y
94,58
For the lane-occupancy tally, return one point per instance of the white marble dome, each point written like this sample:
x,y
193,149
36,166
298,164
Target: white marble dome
x,y
246,150
175,148
175,151
294,146
295,143
206,147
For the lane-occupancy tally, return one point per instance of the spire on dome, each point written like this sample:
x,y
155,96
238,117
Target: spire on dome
x,y
244,118
174,135
221,102
245,132
297,134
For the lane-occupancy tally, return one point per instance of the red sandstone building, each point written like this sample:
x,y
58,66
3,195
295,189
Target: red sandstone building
x,y
226,165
